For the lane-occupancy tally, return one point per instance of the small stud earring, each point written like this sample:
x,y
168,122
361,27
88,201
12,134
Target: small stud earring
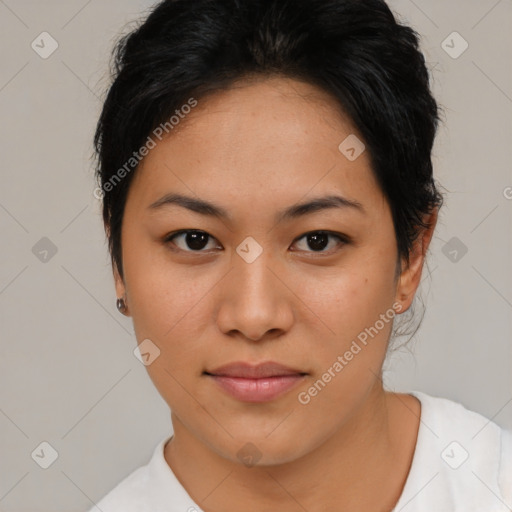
x,y
121,306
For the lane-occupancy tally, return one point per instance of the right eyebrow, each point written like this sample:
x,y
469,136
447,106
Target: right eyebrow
x,y
191,203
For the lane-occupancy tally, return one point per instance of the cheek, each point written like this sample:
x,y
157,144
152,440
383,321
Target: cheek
x,y
168,307
348,298
168,302
350,302
348,362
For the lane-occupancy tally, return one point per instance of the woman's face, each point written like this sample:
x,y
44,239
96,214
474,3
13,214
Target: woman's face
x,y
254,287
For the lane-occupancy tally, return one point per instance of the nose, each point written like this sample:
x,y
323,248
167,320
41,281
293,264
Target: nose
x,y
255,301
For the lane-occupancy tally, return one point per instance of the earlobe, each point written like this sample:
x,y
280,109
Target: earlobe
x,y
121,302
410,276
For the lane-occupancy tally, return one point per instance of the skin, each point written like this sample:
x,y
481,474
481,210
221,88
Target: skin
x,y
254,150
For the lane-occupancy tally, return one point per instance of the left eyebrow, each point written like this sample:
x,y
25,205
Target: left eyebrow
x,y
317,204
210,209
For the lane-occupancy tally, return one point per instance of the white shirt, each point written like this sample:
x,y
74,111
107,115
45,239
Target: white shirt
x,y
462,463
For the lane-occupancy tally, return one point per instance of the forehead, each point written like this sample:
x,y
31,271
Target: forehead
x,y
277,137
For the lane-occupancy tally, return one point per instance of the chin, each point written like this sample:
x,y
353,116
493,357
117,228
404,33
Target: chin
x,y
260,450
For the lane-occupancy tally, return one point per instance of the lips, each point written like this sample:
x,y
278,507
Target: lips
x,y
247,371
260,383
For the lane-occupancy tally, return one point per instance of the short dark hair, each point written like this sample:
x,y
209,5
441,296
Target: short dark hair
x,y
354,50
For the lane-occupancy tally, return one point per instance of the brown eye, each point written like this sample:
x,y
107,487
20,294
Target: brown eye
x,y
190,240
317,241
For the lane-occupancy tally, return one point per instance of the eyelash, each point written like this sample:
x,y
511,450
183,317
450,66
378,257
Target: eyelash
x,y
343,240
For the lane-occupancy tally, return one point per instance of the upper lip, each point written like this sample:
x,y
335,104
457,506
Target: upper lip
x,y
247,371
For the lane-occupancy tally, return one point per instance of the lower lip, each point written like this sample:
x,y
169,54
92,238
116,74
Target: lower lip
x,y
257,390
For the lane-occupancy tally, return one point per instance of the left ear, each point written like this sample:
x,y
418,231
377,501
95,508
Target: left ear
x,y
410,276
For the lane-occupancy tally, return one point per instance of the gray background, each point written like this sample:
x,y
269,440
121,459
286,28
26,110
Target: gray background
x,y
68,373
